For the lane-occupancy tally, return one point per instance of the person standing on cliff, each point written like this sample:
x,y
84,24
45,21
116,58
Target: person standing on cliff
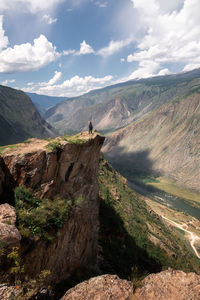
x,y
90,127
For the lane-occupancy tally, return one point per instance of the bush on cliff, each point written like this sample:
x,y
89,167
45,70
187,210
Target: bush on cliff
x,y
38,217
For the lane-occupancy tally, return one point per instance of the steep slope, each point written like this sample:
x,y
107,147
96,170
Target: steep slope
x,y
165,142
19,119
43,102
117,106
70,226
134,239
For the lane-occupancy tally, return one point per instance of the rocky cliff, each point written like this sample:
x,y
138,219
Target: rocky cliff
x,y
68,171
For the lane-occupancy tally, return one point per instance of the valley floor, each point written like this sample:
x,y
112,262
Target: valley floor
x,y
180,220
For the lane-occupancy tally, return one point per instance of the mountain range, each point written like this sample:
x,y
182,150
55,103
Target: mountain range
x,y
119,105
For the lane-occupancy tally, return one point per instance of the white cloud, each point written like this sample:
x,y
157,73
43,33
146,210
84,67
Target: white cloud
x,y
122,60
114,46
164,72
85,49
68,52
146,69
27,57
101,4
49,20
3,38
5,82
57,76
72,87
172,34
32,6
191,67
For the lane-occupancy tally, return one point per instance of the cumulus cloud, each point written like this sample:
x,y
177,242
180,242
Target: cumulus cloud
x,y
85,49
49,20
71,87
32,6
114,46
7,81
57,76
146,69
27,57
3,38
172,35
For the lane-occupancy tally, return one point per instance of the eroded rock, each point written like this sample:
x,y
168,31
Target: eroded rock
x,y
9,234
169,285
105,287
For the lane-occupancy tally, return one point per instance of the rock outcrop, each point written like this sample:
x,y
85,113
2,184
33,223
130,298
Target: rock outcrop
x,y
105,287
9,234
169,285
166,285
68,172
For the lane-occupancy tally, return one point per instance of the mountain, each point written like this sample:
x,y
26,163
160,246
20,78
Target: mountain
x,y
19,119
43,102
117,106
165,142
76,218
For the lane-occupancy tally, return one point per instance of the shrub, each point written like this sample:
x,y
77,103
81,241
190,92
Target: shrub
x,y
54,145
27,141
38,217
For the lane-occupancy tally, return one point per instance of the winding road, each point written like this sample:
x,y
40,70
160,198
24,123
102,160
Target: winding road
x,y
192,237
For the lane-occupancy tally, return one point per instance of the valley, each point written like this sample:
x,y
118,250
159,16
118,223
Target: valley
x,y
176,211
131,211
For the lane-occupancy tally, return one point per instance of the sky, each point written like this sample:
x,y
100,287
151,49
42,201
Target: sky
x,y
69,47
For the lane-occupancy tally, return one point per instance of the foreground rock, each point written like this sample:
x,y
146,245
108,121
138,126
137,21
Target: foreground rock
x,y
169,285
104,287
9,234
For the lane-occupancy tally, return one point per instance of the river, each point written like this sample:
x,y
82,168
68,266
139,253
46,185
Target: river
x,y
174,202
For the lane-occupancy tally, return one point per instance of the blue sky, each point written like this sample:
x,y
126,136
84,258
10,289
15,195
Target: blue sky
x,y
68,47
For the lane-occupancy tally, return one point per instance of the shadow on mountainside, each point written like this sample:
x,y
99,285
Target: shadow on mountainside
x,y
119,252
132,164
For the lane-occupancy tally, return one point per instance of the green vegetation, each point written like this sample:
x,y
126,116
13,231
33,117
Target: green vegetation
x,y
126,224
54,145
39,217
8,147
171,187
25,287
18,268
27,141
74,139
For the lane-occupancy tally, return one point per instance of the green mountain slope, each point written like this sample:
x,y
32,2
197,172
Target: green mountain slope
x,y
133,238
19,119
117,106
166,142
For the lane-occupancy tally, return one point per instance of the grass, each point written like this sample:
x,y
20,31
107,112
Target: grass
x,y
74,139
27,141
169,186
54,145
8,147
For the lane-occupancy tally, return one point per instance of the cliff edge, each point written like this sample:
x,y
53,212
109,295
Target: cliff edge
x,y
64,168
